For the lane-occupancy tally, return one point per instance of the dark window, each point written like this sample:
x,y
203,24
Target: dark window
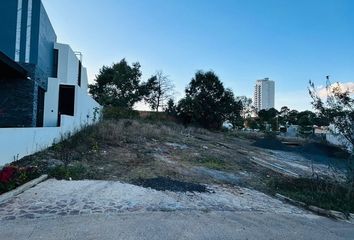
x,y
55,63
40,107
66,100
79,75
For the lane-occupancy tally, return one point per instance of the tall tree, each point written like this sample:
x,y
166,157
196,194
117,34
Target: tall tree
x,y
284,111
338,108
284,115
269,116
160,91
119,85
292,117
171,108
207,102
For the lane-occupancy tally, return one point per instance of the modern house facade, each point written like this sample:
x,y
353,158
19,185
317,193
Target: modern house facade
x,y
28,39
264,94
43,84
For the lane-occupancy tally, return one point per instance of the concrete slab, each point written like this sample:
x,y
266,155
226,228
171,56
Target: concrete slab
x,y
178,225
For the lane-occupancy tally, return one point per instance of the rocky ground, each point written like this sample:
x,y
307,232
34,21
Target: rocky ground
x,y
145,172
130,150
82,210
60,198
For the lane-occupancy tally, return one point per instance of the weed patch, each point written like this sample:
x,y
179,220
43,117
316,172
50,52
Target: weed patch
x,y
213,163
321,193
73,172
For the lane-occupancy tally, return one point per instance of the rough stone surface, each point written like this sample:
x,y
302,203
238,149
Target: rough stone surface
x,y
112,210
16,103
59,198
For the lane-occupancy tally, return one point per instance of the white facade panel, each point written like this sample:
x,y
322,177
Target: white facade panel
x,y
18,31
51,103
19,142
68,73
28,32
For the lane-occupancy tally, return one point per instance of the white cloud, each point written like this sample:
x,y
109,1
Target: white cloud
x,y
348,86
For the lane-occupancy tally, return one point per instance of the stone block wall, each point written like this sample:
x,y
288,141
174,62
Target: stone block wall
x,y
17,101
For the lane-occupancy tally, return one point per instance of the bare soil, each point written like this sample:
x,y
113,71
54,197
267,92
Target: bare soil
x,y
169,155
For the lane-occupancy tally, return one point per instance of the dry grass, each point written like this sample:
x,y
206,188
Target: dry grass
x,y
139,131
117,150
128,150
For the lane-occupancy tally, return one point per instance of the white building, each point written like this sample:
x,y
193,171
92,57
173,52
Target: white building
x,y
43,85
69,88
264,93
67,109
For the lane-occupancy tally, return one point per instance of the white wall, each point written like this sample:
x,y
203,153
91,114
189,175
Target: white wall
x,y
51,102
334,137
84,79
68,64
68,68
18,142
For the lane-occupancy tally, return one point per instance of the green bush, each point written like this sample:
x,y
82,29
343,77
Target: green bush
x,y
321,193
119,113
73,172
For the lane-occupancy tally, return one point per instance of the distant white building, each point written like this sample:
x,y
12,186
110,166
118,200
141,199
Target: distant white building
x,y
264,92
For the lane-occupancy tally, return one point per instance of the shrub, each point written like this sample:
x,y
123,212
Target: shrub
x,y
73,172
13,176
321,193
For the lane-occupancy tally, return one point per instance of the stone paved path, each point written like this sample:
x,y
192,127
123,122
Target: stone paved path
x,y
64,198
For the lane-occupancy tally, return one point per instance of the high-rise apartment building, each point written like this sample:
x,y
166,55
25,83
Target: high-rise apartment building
x,y
264,94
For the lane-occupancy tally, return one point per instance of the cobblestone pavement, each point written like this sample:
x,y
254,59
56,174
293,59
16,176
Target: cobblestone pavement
x,y
64,198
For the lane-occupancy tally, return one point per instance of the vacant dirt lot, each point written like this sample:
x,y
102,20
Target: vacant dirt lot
x,y
133,151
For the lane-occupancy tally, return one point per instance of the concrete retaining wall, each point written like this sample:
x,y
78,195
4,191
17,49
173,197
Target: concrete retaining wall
x,y
19,142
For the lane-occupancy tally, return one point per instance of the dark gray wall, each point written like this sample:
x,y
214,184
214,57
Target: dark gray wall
x,y
43,36
16,103
18,98
8,13
43,40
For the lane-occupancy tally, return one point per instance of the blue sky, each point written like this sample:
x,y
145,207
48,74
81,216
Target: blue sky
x,y
289,41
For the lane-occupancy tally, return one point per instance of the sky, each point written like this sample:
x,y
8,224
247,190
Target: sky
x,y
289,41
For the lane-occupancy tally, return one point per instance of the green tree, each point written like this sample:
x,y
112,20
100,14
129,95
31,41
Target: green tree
x,y
284,115
269,116
119,85
338,108
252,123
208,103
171,108
306,120
292,117
185,110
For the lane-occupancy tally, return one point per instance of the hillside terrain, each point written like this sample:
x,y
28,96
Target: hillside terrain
x,y
168,156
